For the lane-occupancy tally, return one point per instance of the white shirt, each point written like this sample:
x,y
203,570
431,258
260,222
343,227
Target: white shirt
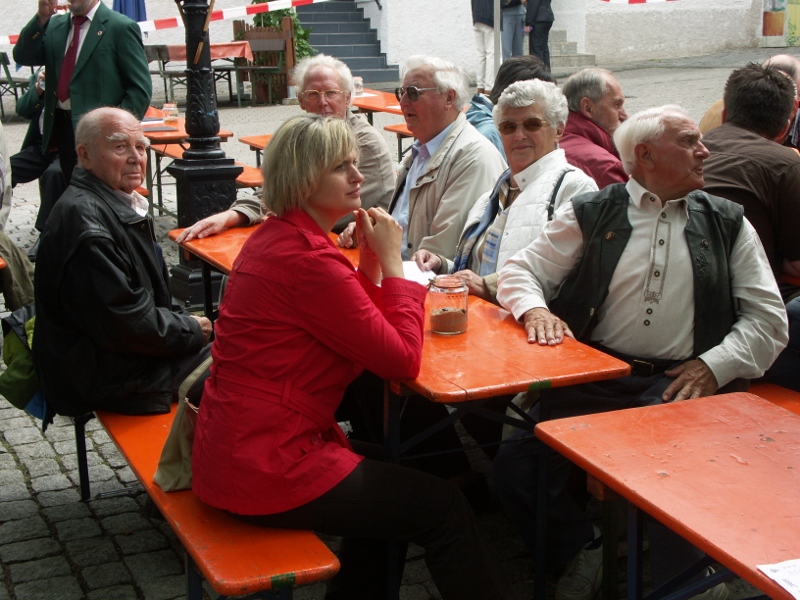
x,y
67,104
135,200
649,310
421,155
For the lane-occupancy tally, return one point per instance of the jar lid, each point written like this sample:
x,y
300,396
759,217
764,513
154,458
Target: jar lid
x,y
448,281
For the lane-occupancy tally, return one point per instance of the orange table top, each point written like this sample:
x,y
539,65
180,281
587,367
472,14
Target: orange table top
x,y
723,472
492,358
172,136
377,101
239,49
256,142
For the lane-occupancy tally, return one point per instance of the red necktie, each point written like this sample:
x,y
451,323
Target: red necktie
x,y
68,66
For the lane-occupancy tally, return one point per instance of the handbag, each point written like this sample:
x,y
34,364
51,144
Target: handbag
x,y
174,470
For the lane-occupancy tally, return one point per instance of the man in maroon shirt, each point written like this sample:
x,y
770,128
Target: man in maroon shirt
x,y
596,108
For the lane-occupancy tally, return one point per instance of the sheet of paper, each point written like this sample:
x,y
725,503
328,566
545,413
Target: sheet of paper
x,y
413,273
394,107
785,574
366,95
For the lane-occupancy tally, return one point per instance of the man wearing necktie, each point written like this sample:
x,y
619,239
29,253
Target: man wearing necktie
x,y
93,57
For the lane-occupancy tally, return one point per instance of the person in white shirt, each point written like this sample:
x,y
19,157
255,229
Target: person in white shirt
x,y
661,275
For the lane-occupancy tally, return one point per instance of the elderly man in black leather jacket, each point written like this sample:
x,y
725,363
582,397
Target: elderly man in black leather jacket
x,y
107,335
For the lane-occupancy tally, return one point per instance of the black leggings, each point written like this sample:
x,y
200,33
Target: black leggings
x,y
380,501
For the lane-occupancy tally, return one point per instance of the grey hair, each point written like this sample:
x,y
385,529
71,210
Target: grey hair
x,y
589,83
446,76
90,127
642,127
530,92
323,60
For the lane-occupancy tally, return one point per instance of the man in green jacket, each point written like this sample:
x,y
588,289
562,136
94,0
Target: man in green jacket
x,y
103,65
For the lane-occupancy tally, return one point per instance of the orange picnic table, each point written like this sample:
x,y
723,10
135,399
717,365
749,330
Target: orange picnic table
x,y
723,472
492,358
257,144
161,135
372,101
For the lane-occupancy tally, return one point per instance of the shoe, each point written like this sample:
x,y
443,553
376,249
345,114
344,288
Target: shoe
x,y
718,592
583,576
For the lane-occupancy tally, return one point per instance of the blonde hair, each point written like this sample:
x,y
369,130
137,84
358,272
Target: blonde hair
x,y
303,149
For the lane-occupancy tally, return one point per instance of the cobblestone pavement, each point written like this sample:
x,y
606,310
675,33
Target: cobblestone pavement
x,y
55,547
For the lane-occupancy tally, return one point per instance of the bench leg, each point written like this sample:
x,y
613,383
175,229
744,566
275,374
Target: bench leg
x,y
611,511
634,553
194,582
83,464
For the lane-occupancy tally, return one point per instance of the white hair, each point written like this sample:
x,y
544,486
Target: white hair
x,y
642,127
534,91
323,60
446,76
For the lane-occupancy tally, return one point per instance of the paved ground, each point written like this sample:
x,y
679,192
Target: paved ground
x,y
54,547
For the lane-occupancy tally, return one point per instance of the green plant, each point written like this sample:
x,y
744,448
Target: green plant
x,y
273,19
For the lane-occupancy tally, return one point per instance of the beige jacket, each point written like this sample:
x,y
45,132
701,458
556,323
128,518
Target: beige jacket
x,y
464,166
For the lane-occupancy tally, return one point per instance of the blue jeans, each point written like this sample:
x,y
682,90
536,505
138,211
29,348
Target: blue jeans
x,y
513,24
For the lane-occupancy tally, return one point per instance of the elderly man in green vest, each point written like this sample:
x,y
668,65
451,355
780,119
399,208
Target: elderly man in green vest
x,y
661,275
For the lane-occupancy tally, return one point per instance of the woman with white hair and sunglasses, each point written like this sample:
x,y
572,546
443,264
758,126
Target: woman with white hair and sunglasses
x,y
530,116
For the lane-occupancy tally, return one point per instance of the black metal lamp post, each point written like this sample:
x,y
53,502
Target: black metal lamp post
x,y
205,177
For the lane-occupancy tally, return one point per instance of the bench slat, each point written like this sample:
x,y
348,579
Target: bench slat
x,y
783,397
235,557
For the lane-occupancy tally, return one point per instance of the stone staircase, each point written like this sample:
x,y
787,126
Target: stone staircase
x,y
564,54
339,29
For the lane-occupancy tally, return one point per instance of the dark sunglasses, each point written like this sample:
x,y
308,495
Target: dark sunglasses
x,y
412,91
531,125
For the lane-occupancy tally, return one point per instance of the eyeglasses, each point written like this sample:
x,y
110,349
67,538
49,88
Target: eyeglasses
x,y
531,125
412,91
316,95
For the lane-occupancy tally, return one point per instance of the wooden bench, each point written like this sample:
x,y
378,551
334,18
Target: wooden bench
x,y
250,177
402,133
233,556
783,397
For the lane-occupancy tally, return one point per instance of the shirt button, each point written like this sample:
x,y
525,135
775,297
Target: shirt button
x,y
610,236
663,215
649,311
652,199
409,246
657,273
660,242
647,322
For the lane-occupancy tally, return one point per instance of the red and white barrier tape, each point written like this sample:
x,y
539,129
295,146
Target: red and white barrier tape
x,y
217,15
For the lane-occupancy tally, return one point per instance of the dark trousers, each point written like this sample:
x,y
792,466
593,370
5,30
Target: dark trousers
x,y
63,137
785,370
515,476
31,163
537,41
378,502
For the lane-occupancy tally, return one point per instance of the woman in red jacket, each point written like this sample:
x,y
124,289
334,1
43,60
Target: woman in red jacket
x,y
296,326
